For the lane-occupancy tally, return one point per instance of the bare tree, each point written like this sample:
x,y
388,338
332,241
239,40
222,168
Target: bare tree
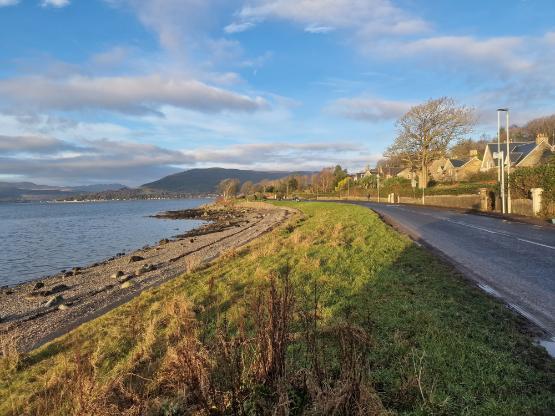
x,y
247,188
425,132
326,179
543,125
228,187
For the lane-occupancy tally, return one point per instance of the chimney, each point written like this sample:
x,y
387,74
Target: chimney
x,y
542,138
473,153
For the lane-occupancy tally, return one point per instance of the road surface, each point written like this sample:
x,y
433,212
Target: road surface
x,y
511,260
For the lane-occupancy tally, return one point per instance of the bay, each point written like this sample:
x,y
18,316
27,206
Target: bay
x,y
40,239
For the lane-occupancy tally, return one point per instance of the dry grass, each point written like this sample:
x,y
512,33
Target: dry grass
x,y
333,314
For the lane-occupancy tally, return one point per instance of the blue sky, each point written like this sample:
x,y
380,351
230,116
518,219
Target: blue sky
x,y
130,90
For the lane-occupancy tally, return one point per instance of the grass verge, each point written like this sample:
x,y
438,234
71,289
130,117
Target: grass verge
x,y
333,313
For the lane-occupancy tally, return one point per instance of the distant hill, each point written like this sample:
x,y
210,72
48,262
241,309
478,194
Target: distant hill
x,y
99,187
28,191
199,181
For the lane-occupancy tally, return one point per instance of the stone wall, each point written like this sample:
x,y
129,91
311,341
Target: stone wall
x,y
470,202
522,207
449,201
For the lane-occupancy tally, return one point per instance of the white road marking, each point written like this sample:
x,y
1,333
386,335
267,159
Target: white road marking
x,y
538,244
525,314
464,224
489,289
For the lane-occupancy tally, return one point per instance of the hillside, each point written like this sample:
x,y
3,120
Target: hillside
x,y
206,180
28,191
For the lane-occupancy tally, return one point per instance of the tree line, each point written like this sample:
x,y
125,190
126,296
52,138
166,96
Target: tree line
x,y
427,132
327,180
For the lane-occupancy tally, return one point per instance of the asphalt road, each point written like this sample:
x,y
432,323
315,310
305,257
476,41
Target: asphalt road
x,y
511,260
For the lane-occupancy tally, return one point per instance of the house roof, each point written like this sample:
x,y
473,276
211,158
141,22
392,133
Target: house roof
x,y
516,157
519,150
457,163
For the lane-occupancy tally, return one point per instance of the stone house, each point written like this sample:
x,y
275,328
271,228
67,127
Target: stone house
x,y
360,175
451,170
384,172
390,171
464,168
523,154
407,173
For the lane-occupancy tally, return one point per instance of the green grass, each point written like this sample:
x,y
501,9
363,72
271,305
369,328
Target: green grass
x,y
334,312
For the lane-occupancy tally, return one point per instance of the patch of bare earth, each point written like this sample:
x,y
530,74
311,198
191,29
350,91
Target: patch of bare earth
x,y
36,312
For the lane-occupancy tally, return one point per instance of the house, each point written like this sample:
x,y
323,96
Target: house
x,y
522,154
360,175
464,168
390,171
451,169
407,173
441,170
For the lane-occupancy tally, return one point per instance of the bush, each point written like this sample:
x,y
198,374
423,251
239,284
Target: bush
x,y
524,179
490,175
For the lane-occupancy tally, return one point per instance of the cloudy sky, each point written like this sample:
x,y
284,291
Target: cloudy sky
x,y
130,90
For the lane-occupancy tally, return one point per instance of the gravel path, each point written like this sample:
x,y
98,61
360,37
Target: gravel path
x,y
36,312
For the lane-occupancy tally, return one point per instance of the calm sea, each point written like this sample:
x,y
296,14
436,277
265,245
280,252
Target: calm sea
x,y
39,239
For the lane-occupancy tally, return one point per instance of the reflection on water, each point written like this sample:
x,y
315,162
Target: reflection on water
x,y
38,239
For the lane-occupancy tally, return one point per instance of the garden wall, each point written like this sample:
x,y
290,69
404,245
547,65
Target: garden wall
x,y
522,207
450,201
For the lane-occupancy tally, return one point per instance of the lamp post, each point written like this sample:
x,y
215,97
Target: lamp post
x,y
498,145
509,204
506,206
378,172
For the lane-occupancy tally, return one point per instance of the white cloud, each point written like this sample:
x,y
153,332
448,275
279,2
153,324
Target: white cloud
x,y
130,162
95,160
370,109
506,53
284,156
111,57
366,17
189,32
5,3
238,27
179,24
139,95
55,3
313,28
498,71
32,144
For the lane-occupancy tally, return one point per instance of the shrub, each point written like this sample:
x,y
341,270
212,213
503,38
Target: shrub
x,y
524,179
490,175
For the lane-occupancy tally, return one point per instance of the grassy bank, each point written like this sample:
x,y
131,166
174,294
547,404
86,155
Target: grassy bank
x,y
334,313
